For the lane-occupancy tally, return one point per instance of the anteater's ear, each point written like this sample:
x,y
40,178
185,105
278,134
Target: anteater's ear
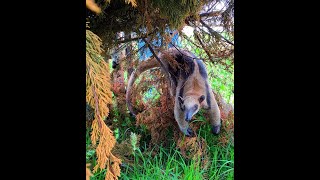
x,y
201,98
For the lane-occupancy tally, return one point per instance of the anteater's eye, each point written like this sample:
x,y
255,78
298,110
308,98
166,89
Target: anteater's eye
x,y
201,98
195,107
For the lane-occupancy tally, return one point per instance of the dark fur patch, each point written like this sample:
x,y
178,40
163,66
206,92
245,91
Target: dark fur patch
x,y
215,129
190,132
202,69
181,95
185,69
114,64
173,75
187,65
208,96
201,98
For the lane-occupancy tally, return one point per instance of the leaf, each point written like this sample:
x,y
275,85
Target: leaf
x,y
93,6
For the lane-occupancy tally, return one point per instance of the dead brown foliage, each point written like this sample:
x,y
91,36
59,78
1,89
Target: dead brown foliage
x,y
157,116
98,96
119,91
125,151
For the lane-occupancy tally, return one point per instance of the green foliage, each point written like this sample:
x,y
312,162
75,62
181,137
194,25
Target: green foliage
x,y
152,93
176,11
133,141
222,81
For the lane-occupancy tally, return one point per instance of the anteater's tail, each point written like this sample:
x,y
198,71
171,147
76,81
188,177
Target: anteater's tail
x,y
143,66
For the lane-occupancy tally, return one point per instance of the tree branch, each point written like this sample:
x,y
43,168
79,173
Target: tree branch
x,y
130,39
189,40
203,46
157,58
134,39
214,33
210,14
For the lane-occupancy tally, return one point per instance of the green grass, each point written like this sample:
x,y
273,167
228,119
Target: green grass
x,y
168,163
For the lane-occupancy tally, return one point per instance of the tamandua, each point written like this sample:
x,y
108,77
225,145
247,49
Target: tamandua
x,y
189,85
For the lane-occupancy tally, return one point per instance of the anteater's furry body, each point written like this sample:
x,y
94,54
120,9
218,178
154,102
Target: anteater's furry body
x,y
188,84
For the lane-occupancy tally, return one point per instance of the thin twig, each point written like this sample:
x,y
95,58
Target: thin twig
x,y
134,39
214,33
132,52
154,54
189,40
203,46
130,39
210,14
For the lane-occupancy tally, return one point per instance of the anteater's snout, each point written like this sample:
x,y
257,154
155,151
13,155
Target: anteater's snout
x,y
189,116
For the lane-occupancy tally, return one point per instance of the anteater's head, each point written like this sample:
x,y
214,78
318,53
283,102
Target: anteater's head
x,y
190,105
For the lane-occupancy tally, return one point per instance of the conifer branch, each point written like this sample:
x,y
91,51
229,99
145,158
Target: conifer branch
x,y
214,33
203,46
210,14
189,40
98,96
